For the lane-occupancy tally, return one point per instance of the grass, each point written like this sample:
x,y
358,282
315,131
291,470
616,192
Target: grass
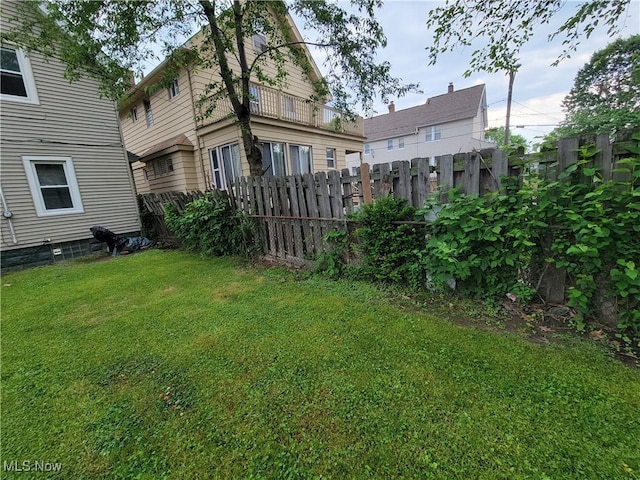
x,y
164,365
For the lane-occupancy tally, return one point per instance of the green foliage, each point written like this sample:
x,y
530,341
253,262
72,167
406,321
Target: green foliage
x,y
482,242
494,244
503,27
332,261
210,226
496,135
389,247
606,93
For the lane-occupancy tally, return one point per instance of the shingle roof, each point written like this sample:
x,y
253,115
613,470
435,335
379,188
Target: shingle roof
x,y
448,107
177,140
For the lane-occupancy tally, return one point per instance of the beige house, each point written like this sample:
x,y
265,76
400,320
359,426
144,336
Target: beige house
x,y
63,161
179,150
450,123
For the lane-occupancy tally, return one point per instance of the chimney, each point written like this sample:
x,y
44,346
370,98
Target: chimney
x,y
450,89
392,107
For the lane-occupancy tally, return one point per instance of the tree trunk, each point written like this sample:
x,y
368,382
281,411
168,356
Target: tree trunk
x,y
252,147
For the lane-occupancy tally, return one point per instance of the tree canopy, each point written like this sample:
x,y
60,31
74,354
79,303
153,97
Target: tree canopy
x,y
496,135
110,39
503,27
606,92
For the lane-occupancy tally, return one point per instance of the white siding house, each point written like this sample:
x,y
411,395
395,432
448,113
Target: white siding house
x,y
445,124
63,162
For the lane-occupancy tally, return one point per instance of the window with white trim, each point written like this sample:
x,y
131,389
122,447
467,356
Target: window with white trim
x,y
16,78
367,149
401,143
53,185
331,158
148,113
389,144
301,159
273,161
225,165
174,90
134,114
433,133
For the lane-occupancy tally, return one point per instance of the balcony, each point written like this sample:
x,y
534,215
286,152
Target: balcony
x,y
271,103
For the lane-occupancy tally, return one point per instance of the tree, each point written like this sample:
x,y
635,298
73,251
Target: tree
x,y
110,39
496,135
503,27
606,92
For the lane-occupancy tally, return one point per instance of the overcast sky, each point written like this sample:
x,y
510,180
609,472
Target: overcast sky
x,y
538,89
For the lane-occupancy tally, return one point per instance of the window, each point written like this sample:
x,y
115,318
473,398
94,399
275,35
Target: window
x,y
53,185
134,114
331,158
254,103
173,89
148,113
367,149
288,107
260,42
401,143
162,166
433,133
225,165
301,159
16,78
389,144
273,162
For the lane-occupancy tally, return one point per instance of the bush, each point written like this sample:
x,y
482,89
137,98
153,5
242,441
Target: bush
x,y
210,226
485,243
390,249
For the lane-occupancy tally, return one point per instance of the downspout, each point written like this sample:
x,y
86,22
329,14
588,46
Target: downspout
x,y
6,213
195,129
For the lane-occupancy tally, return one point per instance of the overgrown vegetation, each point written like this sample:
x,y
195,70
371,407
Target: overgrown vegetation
x,y
211,227
165,365
508,242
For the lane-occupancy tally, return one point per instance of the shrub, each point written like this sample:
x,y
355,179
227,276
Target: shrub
x,y
210,226
390,248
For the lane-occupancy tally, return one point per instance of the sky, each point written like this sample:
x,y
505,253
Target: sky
x,y
538,90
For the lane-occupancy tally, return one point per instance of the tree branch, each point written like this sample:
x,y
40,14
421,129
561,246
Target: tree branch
x,y
287,44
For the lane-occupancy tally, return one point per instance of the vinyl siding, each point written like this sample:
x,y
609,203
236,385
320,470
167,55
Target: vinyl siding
x,y
183,177
176,116
171,118
70,121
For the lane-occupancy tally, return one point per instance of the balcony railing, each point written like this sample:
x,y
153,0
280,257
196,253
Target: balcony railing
x,y
272,103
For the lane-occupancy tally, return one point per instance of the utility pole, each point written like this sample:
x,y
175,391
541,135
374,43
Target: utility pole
x,y
512,75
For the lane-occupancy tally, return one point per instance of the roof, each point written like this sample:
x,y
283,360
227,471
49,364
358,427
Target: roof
x,y
172,142
448,107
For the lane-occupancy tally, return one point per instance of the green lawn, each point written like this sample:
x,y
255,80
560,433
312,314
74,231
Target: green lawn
x,y
164,365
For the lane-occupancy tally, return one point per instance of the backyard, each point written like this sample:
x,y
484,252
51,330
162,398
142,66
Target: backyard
x,y
166,365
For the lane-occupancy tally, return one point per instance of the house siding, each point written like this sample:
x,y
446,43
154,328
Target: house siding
x,y
71,120
181,116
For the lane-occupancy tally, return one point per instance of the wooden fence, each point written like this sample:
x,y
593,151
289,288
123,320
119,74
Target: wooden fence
x,y
296,212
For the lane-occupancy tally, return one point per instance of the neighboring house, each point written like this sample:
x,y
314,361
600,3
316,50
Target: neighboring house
x,y
178,150
64,166
446,124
